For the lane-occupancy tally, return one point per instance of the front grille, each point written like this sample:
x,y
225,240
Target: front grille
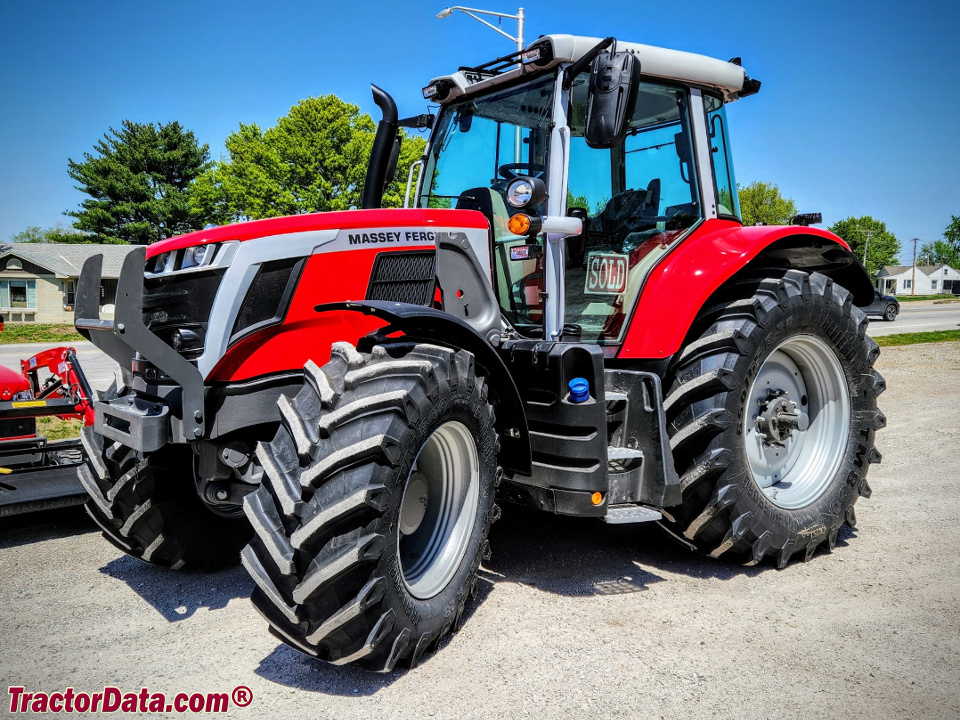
x,y
180,299
268,297
407,277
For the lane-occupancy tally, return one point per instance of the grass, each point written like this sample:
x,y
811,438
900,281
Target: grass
x,y
911,298
56,429
14,333
918,337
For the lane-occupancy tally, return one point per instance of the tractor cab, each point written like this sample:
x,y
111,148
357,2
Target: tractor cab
x,y
603,132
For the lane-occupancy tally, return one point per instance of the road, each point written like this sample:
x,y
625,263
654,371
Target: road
x,y
919,316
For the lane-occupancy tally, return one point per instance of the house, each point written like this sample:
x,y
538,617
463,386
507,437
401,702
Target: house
x,y
38,281
920,280
902,280
943,278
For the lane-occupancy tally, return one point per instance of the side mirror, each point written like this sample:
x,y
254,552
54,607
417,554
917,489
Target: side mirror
x,y
611,98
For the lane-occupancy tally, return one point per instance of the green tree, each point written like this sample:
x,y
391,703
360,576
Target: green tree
x,y
139,181
762,202
952,232
938,252
577,201
313,160
55,234
882,246
945,251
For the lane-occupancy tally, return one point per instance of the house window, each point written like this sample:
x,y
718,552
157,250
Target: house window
x,y
18,293
14,264
933,284
907,284
70,292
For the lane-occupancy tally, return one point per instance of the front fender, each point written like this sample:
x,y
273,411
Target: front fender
x,y
680,285
426,324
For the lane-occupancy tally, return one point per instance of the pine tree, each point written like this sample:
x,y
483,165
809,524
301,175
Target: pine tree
x,y
139,181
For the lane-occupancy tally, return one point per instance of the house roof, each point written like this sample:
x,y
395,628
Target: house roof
x,y
895,269
65,259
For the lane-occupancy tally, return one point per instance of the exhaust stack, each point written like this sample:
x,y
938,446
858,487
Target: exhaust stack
x,y
385,153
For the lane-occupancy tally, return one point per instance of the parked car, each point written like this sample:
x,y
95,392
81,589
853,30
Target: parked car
x,y
886,306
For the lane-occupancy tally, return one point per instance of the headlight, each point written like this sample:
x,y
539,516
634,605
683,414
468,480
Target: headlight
x,y
23,395
526,191
194,256
160,262
519,192
187,339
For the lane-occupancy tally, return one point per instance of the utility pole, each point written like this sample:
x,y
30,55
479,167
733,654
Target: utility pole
x,y
913,281
866,244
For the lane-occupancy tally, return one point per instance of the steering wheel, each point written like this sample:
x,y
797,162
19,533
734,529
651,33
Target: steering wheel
x,y
509,171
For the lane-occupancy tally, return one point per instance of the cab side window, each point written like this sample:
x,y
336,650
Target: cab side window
x,y
635,199
726,185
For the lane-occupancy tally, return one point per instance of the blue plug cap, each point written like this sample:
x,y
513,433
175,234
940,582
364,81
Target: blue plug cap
x,y
579,390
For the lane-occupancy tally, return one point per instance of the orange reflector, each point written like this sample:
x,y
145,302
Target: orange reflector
x,y
519,224
597,498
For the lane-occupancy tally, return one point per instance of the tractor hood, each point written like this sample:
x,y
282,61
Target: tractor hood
x,y
362,221
11,382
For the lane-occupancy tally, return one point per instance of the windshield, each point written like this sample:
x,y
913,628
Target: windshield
x,y
479,146
637,199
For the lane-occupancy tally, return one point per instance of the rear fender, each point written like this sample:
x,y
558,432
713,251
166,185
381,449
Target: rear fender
x,y
679,287
424,324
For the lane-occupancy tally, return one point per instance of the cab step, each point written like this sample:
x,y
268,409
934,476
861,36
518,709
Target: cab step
x,y
624,514
619,454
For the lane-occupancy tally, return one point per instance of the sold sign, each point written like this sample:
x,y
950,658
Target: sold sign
x,y
606,274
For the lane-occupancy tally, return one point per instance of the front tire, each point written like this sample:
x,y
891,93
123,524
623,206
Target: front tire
x,y
147,505
772,413
376,503
890,314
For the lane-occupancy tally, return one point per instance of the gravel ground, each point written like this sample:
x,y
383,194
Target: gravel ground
x,y
576,618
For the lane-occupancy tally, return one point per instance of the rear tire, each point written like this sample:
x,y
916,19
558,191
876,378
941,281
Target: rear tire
x,y
376,503
746,497
148,506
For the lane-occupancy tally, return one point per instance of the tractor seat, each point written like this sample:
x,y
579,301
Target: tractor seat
x,y
491,204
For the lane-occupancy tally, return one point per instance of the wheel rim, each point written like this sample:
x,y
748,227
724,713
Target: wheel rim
x,y
437,510
794,469
891,313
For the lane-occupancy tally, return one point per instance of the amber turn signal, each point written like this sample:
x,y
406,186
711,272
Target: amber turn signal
x,y
597,498
519,224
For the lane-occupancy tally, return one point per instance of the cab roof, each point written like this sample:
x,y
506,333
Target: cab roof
x,y
724,77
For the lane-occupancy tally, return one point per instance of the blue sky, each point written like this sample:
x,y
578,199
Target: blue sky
x,y
859,112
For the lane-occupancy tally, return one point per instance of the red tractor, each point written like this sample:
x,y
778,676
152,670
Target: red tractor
x,y
36,473
570,316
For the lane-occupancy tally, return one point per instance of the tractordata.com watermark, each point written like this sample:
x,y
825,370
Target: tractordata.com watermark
x,y
112,699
